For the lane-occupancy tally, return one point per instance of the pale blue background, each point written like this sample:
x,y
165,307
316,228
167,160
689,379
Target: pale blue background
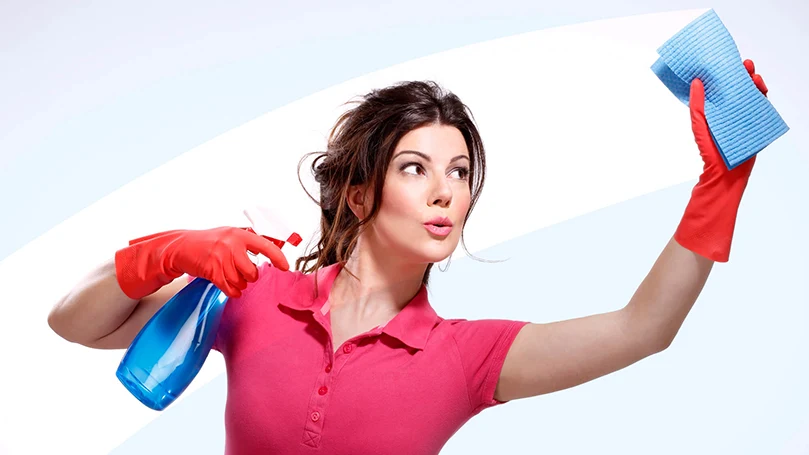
x,y
95,95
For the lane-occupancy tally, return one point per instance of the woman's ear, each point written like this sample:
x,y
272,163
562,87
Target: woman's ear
x,y
359,201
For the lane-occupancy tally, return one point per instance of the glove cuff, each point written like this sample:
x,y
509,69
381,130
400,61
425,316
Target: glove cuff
x,y
709,221
140,268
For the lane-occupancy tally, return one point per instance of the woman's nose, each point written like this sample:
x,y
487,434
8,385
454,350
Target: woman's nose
x,y
442,193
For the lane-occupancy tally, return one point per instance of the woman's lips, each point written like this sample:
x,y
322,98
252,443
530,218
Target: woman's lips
x,y
442,231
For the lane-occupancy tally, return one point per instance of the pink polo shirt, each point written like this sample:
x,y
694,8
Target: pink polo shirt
x,y
403,388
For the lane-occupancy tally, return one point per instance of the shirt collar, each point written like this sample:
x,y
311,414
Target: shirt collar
x,y
412,325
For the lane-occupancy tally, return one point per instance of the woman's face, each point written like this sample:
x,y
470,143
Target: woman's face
x,y
425,197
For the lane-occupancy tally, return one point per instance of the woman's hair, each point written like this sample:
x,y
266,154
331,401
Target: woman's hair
x,y
359,150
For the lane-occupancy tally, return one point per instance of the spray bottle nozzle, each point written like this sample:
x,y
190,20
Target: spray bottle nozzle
x,y
268,225
294,239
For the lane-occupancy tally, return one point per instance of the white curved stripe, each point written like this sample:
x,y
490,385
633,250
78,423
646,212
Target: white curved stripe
x,y
573,121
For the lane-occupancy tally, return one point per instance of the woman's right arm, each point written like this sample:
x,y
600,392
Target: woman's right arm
x,y
107,309
96,313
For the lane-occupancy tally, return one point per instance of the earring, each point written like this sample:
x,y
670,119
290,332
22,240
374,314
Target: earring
x,y
449,260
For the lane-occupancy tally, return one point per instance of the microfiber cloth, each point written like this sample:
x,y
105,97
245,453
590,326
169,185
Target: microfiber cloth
x,y
741,119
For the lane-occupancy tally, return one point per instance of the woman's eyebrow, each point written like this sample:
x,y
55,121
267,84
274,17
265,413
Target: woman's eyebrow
x,y
427,157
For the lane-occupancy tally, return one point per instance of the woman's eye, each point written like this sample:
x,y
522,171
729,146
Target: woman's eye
x,y
461,173
412,168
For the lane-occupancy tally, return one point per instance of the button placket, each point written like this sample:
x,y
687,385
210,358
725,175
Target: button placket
x,y
318,406
318,401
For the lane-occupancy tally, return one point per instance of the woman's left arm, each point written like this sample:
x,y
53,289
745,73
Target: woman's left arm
x,y
545,358
549,357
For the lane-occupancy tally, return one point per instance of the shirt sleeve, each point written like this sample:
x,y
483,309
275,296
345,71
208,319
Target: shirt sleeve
x,y
483,345
228,322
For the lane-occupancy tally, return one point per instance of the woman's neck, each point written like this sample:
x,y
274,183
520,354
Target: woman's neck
x,y
382,287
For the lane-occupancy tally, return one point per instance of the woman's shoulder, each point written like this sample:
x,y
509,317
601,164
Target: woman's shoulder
x,y
297,287
271,278
472,330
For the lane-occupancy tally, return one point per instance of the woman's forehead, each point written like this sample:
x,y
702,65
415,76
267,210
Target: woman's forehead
x,y
439,141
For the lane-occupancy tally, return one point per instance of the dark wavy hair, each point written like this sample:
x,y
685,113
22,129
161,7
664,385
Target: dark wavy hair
x,y
359,150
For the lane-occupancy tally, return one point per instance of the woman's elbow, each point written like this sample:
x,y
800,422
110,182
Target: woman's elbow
x,y
58,324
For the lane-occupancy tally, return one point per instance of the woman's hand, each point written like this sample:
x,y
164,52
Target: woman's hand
x,y
218,255
709,220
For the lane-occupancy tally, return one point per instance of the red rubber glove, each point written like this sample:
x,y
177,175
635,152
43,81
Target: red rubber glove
x,y
710,218
218,255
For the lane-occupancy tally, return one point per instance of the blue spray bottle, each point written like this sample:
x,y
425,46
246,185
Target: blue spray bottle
x,y
169,351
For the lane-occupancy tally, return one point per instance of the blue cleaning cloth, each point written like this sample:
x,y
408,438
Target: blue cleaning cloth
x,y
741,119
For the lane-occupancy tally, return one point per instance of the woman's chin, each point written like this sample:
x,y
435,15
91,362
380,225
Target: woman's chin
x,y
429,253
436,256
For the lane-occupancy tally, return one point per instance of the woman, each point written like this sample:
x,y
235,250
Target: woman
x,y
346,355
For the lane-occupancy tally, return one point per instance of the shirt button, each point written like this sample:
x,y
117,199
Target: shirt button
x,y
328,368
323,390
315,416
347,348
